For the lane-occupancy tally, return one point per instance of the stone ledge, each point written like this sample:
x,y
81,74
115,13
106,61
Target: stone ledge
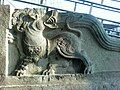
x,y
97,81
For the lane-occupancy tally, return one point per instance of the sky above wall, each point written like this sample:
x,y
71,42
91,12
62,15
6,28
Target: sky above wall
x,y
70,6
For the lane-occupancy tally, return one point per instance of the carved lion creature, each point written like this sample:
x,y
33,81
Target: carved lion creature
x,y
35,46
31,23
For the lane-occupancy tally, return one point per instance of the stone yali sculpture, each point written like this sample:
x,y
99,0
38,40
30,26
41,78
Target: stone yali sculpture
x,y
42,38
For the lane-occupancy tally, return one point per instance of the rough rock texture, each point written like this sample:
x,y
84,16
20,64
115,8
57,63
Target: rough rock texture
x,y
4,23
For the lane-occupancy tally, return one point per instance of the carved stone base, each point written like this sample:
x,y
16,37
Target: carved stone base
x,y
98,81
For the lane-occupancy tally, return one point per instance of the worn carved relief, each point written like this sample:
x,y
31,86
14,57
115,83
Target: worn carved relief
x,y
47,44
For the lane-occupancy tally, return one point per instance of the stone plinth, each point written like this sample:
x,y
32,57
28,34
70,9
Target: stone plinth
x,y
98,81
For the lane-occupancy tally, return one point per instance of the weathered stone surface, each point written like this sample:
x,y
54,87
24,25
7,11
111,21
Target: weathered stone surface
x,y
65,39
4,23
98,81
13,56
103,60
34,46
101,49
79,33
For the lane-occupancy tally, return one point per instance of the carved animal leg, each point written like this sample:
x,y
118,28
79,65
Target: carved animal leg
x,y
21,67
27,67
49,70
